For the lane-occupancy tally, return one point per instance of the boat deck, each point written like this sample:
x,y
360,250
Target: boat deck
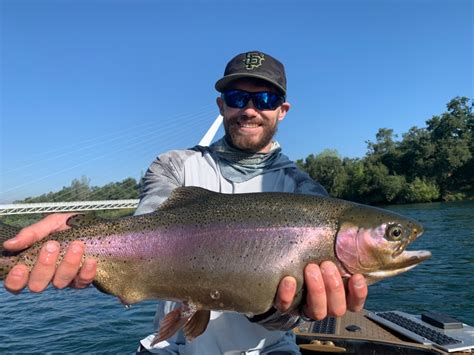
x,y
355,333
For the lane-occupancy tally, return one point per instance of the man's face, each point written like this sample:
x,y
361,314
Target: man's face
x,y
248,128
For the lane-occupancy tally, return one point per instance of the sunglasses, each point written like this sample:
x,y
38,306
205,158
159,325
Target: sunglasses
x,y
263,100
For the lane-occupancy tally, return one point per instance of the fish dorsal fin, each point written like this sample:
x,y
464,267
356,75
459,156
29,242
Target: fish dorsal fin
x,y
81,220
185,196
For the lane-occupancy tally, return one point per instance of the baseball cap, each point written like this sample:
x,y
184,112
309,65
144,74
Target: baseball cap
x,y
253,64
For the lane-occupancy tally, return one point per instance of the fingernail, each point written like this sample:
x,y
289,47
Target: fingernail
x,y
89,265
76,248
18,272
329,271
288,284
51,247
359,283
315,275
12,241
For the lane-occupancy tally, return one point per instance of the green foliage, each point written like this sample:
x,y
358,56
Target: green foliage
x,y
327,168
452,134
420,190
80,190
428,164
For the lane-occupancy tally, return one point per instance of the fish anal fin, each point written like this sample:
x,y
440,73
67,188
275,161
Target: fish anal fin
x,y
197,324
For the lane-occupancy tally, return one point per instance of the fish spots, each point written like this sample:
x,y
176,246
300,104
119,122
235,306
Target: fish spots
x,y
215,258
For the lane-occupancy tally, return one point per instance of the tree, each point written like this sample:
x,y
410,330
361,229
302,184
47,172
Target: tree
x,y
417,154
451,134
385,149
420,190
379,186
327,168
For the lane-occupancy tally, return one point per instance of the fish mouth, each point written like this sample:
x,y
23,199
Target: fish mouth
x,y
400,264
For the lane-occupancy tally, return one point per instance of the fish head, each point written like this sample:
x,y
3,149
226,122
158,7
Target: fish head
x,y
372,241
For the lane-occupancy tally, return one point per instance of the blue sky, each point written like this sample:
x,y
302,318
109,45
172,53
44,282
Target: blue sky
x,y
99,88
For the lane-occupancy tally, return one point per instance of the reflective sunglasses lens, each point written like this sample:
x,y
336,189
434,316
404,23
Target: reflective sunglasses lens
x,y
267,100
236,98
264,100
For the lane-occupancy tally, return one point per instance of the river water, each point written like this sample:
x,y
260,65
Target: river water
x,y
85,321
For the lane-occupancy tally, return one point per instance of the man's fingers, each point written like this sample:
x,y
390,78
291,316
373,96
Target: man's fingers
x,y
69,266
316,304
286,293
45,267
29,235
25,238
86,274
17,278
357,293
335,292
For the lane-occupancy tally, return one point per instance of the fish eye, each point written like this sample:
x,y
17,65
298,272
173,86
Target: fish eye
x,y
394,232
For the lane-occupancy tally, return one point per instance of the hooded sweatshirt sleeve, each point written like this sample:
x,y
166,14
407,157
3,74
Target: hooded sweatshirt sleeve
x,y
163,176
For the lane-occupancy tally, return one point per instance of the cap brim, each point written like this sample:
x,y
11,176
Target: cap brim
x,y
223,83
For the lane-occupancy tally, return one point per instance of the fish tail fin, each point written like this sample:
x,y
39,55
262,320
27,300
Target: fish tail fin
x,y
7,259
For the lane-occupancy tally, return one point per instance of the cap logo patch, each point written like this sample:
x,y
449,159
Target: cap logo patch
x,y
253,60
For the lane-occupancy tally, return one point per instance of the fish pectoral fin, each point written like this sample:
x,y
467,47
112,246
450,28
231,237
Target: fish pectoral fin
x,y
176,319
169,325
197,324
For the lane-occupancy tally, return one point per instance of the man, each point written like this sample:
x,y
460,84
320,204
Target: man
x,y
247,159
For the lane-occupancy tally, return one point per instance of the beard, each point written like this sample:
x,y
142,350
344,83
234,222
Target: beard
x,y
246,142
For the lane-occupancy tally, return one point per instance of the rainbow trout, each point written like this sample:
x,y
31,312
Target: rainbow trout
x,y
228,252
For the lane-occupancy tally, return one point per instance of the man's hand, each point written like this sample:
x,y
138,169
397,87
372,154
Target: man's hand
x,y
68,273
326,295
